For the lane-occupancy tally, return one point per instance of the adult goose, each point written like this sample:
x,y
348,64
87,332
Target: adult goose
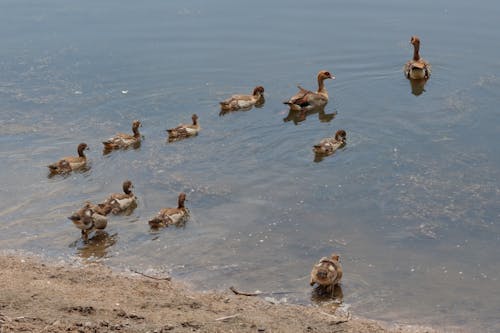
x,y
417,68
306,100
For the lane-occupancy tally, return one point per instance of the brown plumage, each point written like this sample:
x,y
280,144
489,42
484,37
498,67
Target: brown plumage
x,y
171,216
123,140
124,202
88,219
327,272
243,102
70,163
417,68
328,146
306,99
184,130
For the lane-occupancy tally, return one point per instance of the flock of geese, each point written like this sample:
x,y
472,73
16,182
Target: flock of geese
x,y
92,217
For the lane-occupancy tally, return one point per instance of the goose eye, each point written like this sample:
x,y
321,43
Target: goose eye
x,y
327,74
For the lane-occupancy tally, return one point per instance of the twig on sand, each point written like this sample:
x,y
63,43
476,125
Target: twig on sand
x,y
168,278
243,293
337,320
227,317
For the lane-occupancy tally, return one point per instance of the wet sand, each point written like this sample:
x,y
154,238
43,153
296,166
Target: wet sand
x,y
47,297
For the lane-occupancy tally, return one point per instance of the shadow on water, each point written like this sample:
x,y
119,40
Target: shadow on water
x,y
299,116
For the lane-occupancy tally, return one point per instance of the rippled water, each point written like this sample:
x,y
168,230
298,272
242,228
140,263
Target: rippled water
x,y
412,202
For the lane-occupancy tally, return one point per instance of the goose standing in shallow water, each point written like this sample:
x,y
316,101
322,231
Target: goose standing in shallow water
x,y
122,202
328,146
243,102
306,100
417,68
184,130
88,220
327,273
122,140
171,216
70,163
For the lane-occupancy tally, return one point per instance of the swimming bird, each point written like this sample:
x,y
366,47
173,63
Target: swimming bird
x,y
328,146
417,68
184,130
70,163
238,102
327,273
306,100
87,220
122,202
171,216
123,140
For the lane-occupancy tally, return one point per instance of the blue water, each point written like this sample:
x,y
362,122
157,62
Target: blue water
x,y
412,202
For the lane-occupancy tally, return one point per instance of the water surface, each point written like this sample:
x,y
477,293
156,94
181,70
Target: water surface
x,y
411,203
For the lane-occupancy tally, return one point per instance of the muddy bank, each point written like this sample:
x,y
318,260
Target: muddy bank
x,y
42,297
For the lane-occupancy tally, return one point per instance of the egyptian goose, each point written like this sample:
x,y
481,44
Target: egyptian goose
x,y
184,130
171,216
238,102
123,140
417,68
70,163
306,100
87,220
328,146
327,272
121,202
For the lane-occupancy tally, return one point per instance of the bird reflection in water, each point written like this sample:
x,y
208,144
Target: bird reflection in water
x,y
298,116
320,294
417,86
97,246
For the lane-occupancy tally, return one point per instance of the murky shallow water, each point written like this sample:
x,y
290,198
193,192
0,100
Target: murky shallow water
x,y
411,203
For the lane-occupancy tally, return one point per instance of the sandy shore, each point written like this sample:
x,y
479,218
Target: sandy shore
x,y
41,297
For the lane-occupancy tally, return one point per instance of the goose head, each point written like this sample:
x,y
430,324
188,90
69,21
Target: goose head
x,y
81,147
181,200
194,117
258,91
127,185
323,75
341,135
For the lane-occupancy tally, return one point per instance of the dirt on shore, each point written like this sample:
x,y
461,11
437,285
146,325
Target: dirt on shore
x,y
41,297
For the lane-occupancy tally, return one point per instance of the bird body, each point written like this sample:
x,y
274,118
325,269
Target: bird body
x,y
327,272
417,68
184,130
123,140
239,102
171,216
122,202
328,146
306,100
70,163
